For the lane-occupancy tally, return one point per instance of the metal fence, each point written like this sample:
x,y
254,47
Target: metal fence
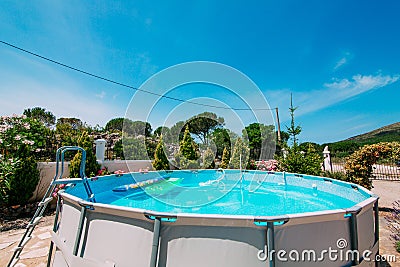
x,y
385,170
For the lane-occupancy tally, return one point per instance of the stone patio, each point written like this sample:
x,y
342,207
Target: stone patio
x,y
35,252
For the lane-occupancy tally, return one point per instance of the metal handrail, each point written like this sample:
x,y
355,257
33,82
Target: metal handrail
x,y
47,198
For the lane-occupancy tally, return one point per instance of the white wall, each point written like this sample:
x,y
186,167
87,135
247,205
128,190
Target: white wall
x,y
48,171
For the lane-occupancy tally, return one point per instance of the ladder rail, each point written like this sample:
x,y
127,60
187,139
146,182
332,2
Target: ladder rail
x,y
60,156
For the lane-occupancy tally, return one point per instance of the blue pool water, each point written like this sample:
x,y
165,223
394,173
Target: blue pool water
x,y
212,192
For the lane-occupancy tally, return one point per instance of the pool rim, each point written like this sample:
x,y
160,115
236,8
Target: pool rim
x,y
357,208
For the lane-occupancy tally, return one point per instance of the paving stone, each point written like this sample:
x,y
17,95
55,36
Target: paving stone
x,y
16,232
36,253
45,235
38,245
5,245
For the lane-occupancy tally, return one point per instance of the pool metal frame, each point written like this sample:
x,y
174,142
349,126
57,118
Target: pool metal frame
x,y
158,220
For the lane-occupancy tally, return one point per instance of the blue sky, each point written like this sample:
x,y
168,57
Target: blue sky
x,y
339,59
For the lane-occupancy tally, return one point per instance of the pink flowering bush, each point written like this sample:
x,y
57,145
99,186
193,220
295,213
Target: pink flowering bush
x,y
21,141
103,171
269,165
19,134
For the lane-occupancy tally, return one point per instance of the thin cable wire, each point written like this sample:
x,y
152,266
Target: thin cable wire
x,y
125,85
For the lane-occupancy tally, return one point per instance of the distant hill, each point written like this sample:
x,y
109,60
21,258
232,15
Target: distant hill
x,y
388,133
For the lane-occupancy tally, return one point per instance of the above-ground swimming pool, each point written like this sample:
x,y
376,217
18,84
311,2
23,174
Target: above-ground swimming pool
x,y
216,218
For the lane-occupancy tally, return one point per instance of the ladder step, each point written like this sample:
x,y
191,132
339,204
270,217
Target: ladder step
x,y
68,181
45,201
25,241
35,222
18,248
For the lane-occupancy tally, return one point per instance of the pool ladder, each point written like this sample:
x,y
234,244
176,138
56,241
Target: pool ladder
x,y
47,198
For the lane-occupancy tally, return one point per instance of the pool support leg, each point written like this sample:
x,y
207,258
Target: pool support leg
x,y
156,239
58,207
271,243
354,231
80,229
376,215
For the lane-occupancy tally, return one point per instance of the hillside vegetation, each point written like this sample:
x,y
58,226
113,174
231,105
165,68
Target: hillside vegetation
x,y
388,133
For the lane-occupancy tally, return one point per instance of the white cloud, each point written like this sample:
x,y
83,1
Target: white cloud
x,y
342,61
101,95
331,93
359,84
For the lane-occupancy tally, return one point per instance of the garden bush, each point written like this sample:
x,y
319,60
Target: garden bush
x,y
208,159
23,181
22,139
240,154
305,162
160,159
91,167
359,164
225,158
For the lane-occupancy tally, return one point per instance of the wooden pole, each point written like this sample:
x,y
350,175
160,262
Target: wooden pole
x,y
279,125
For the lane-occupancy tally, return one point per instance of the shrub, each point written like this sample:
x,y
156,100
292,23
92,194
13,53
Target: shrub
x,y
7,168
19,134
335,175
134,148
208,159
91,167
160,159
225,159
359,164
187,148
23,181
187,156
251,165
305,162
240,153
269,165
22,140
297,160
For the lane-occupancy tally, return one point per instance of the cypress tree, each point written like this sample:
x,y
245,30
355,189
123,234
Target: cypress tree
x,y
187,147
240,150
225,159
160,159
91,167
208,159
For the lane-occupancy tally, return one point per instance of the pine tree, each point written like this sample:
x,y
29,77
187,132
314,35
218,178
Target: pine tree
x,y
160,159
225,159
295,160
240,151
293,130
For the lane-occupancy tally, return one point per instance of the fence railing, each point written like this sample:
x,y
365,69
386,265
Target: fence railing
x,y
387,170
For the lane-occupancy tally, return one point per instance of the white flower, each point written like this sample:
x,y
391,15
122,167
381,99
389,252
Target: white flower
x,y
27,126
17,137
1,141
28,142
38,150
